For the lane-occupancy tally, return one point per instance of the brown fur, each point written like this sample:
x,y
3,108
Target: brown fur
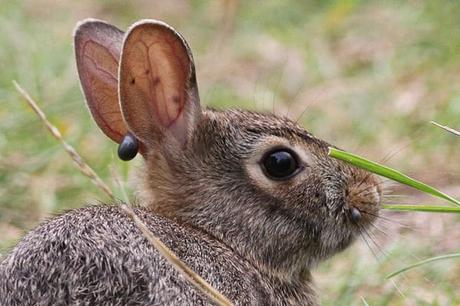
x,y
206,195
284,229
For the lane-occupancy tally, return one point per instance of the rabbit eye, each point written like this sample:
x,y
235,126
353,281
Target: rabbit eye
x,y
280,164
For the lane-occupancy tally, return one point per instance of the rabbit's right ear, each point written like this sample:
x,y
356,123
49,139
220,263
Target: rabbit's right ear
x,y
157,85
97,51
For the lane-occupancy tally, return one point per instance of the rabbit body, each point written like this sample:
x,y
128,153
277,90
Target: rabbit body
x,y
97,256
250,201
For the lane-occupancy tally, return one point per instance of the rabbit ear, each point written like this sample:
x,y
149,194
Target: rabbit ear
x,y
158,90
97,51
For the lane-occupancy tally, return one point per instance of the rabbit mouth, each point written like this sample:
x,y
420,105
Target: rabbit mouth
x,y
359,206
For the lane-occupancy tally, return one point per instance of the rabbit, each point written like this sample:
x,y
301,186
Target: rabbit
x,y
250,201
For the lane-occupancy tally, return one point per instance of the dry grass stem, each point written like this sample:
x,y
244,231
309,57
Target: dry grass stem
x,y
451,130
117,180
179,265
82,166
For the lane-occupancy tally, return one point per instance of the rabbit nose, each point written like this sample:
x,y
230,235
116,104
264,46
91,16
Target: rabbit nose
x,y
355,214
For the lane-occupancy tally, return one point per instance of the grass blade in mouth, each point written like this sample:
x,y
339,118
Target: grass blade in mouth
x,y
422,208
390,173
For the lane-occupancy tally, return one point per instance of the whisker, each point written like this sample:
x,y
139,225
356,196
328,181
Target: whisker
x,y
381,183
369,246
404,146
368,175
390,155
301,114
280,78
392,202
313,101
380,230
393,282
373,240
395,196
365,193
396,222
367,189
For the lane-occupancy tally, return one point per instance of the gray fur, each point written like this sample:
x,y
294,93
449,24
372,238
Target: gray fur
x,y
97,256
253,239
252,247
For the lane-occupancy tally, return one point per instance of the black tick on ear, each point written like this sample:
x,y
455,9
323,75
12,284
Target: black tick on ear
x,y
128,148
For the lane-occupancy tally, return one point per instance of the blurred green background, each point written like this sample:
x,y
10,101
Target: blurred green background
x,y
367,76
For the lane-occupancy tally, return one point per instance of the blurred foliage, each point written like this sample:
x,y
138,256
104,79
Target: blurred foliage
x,y
367,76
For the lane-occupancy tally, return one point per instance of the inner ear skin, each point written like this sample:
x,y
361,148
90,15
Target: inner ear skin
x,y
155,77
160,78
97,50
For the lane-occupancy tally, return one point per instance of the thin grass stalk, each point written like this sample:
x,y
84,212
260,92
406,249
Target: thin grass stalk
x,y
422,208
449,129
423,262
54,131
179,265
167,253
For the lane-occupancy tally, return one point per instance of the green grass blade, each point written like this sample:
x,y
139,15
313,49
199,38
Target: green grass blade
x,y
449,129
423,208
389,173
448,256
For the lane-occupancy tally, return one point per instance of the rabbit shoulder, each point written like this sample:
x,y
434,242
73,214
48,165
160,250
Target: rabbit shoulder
x,y
97,255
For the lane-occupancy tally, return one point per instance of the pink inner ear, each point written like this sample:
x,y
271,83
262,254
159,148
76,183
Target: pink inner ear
x,y
163,76
102,81
98,48
154,72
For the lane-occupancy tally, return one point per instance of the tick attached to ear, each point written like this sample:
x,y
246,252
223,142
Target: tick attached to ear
x,y
128,148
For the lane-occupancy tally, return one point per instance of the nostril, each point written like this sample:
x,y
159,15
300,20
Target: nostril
x,y
355,214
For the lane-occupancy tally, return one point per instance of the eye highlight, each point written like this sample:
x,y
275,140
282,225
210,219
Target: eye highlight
x,y
280,164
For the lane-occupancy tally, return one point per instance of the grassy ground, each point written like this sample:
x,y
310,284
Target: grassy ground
x,y
370,75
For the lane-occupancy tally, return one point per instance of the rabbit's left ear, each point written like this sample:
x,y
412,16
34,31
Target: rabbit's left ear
x,y
97,51
157,85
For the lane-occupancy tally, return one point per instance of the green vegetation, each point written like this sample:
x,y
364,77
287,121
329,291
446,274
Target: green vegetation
x,y
397,176
367,76
390,173
424,262
424,208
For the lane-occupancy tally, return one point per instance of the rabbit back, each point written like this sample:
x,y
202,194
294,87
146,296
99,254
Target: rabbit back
x,y
96,255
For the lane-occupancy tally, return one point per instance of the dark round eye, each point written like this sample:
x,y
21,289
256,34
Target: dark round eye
x,y
280,164
128,147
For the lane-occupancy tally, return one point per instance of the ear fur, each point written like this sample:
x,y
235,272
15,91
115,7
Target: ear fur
x,y
157,85
97,51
